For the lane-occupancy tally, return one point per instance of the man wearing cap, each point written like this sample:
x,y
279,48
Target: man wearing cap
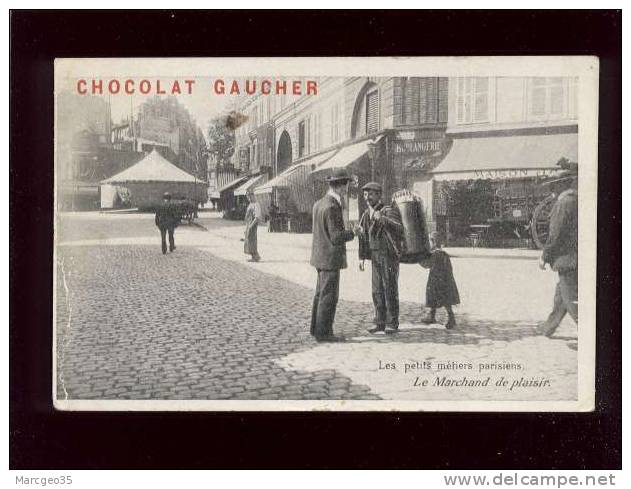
x,y
328,254
380,232
166,220
561,250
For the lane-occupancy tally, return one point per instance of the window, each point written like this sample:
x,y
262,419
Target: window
x,y
317,131
372,112
335,123
302,138
473,95
548,98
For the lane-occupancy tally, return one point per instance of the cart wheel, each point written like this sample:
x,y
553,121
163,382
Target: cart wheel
x,y
540,224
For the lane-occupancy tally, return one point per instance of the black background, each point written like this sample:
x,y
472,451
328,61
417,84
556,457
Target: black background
x,y
45,439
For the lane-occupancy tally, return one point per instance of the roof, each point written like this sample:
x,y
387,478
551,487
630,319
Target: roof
x,y
536,152
153,168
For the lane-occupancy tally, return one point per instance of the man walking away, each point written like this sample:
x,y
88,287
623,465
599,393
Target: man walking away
x,y
380,232
328,254
561,252
167,220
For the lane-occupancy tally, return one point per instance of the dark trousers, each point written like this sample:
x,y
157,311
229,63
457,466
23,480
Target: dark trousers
x,y
325,303
565,300
385,289
163,235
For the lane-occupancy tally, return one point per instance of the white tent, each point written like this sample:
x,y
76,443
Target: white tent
x,y
147,180
152,168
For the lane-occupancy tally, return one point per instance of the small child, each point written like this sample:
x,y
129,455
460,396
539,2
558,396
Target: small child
x,y
442,290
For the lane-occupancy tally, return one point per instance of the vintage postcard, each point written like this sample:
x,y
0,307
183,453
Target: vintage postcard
x,y
328,234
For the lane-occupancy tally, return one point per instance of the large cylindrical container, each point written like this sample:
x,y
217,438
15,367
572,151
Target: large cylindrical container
x,y
415,243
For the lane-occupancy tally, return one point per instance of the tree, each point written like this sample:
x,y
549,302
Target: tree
x,y
221,139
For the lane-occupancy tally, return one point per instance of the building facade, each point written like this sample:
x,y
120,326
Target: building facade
x,y
388,129
508,133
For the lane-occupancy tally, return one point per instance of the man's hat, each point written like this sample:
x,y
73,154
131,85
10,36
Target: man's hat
x,y
570,171
373,186
166,195
338,175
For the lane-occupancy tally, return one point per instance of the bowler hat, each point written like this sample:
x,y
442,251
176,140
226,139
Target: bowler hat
x,y
338,175
373,186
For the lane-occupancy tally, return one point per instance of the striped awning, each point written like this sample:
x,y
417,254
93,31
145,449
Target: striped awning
x,y
250,185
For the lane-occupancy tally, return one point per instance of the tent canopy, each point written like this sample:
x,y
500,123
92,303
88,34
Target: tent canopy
x,y
152,168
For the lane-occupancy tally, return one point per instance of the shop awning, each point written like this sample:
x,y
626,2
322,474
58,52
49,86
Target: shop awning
x,y
506,157
250,184
299,171
347,155
232,184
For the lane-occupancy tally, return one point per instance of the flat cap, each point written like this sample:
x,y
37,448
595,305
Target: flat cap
x,y
373,186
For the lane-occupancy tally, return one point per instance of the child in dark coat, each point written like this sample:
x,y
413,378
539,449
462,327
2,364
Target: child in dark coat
x,y
442,290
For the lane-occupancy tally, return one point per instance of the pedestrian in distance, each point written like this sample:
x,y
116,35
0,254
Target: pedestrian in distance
x,y
561,248
328,254
167,220
252,219
441,290
380,232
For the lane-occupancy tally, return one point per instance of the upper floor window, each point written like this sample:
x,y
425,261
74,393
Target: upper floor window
x,y
372,112
317,131
335,123
473,95
548,97
302,138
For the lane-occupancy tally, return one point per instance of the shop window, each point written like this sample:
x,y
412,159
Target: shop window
x,y
548,98
372,112
473,96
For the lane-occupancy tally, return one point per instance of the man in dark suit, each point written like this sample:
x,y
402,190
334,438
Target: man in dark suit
x,y
328,254
380,232
166,220
561,253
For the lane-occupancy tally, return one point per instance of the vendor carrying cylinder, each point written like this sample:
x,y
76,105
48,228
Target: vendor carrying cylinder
x,y
415,243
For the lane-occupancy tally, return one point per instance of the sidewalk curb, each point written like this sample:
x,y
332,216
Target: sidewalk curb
x,y
486,255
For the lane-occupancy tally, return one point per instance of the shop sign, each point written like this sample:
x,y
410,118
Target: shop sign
x,y
417,147
521,173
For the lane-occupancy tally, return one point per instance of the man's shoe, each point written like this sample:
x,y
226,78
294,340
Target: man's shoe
x,y
451,323
330,339
546,330
377,329
392,329
428,320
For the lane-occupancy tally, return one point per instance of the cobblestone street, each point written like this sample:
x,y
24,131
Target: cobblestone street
x,y
201,324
